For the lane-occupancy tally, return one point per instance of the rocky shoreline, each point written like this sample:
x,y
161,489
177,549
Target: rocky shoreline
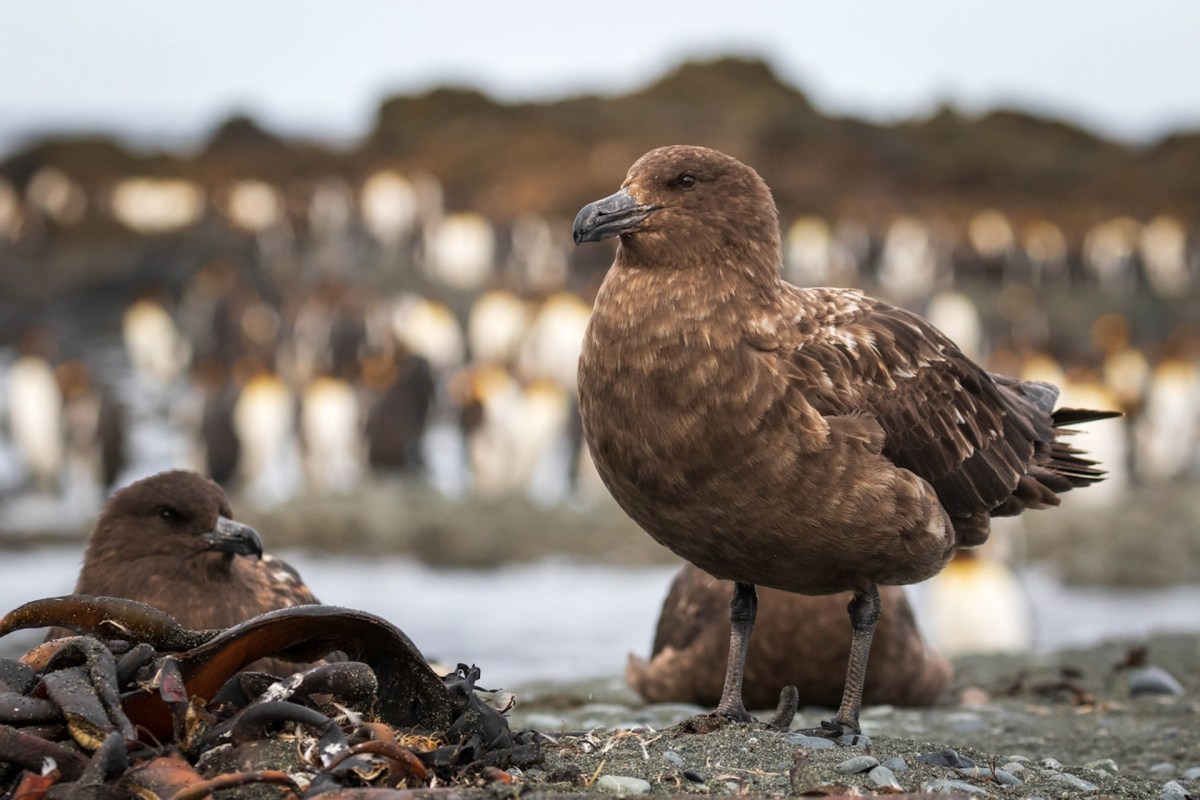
x,y
1120,720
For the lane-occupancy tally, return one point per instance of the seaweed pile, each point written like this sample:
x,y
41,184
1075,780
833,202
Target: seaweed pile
x,y
134,705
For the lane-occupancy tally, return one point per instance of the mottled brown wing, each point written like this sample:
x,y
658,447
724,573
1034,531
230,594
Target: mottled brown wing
x,y
944,417
286,585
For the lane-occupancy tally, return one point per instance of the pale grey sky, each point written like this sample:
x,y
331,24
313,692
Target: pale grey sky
x,y
171,69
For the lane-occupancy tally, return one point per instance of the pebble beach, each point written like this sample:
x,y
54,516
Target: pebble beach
x,y
1117,720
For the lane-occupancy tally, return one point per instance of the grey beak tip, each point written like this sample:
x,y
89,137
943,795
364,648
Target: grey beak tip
x,y
615,215
228,536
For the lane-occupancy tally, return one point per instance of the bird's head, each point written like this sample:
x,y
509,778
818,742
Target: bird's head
x,y
684,206
178,514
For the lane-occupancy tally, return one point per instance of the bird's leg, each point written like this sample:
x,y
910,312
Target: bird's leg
x,y
742,610
864,613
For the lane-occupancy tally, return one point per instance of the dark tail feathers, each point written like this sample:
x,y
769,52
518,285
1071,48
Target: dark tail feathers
x,y
1076,416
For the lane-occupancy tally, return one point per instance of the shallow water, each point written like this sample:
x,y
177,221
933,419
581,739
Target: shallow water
x,y
563,620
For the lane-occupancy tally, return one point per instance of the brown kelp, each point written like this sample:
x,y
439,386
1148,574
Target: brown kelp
x,y
136,705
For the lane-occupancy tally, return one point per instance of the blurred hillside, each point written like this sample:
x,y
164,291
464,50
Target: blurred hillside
x,y
506,160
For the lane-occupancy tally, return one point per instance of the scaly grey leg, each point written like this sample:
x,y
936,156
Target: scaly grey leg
x,y
742,610
864,613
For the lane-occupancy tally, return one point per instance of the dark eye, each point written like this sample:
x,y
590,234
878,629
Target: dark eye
x,y
168,514
686,180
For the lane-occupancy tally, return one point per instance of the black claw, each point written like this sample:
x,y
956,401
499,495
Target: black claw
x,y
785,712
736,715
832,729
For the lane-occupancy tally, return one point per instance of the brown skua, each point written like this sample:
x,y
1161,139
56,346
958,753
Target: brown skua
x,y
813,440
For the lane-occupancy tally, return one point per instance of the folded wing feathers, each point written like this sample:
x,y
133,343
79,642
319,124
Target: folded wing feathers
x,y
987,443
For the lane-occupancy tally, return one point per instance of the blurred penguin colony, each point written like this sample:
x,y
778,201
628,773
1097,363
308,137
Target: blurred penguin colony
x,y
320,333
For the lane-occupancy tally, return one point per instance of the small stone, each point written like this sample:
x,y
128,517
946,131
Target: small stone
x,y
1105,765
673,758
1173,790
1154,681
811,742
1005,777
986,773
952,787
1191,774
946,758
622,785
1017,758
1013,767
1162,768
896,764
855,740
853,766
883,777
1074,781
693,776
1051,763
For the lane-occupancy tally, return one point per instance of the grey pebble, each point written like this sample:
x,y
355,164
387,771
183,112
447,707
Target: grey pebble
x,y
622,784
1014,757
1005,777
946,758
811,742
1013,767
1051,763
1162,767
853,766
1105,765
1154,681
883,777
693,776
1192,774
986,773
1172,790
950,787
673,758
1074,781
896,764
855,740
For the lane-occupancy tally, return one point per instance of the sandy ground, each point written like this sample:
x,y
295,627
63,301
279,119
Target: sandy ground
x,y
1075,707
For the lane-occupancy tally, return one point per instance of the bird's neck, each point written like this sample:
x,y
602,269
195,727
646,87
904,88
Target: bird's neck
x,y
653,302
751,265
116,572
